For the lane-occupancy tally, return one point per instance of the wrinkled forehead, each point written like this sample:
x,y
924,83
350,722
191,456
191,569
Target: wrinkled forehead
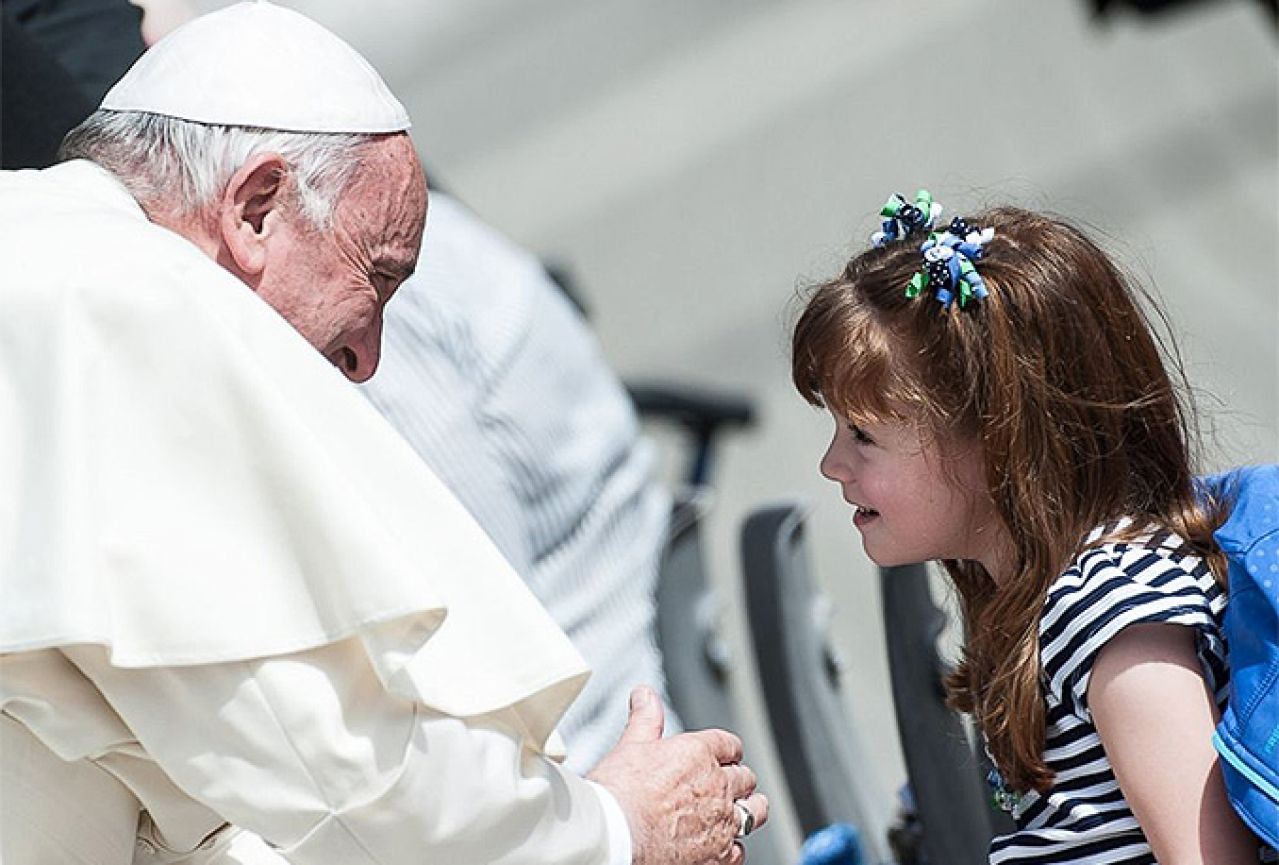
x,y
389,180
385,201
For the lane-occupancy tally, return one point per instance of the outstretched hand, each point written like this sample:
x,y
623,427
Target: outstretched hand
x,y
678,793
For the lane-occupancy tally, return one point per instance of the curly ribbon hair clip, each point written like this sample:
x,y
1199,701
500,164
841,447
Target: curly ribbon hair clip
x,y
902,219
949,267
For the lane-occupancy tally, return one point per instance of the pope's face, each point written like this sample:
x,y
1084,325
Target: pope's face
x,y
332,285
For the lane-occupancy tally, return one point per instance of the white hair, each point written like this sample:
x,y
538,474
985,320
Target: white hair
x,y
184,166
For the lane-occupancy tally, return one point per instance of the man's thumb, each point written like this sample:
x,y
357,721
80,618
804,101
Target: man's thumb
x,y
647,719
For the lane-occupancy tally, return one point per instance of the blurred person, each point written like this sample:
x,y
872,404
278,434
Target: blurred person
x,y
95,41
39,100
57,60
1001,405
495,380
159,17
233,595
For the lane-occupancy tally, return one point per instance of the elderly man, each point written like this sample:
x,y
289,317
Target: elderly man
x,y
232,595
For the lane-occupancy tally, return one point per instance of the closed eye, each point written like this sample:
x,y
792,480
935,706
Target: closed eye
x,y
385,284
388,273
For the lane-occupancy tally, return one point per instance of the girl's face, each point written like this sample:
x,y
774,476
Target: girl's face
x,y
914,504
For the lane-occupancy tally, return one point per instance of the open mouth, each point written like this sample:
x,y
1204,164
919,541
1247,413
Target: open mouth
x,y
863,511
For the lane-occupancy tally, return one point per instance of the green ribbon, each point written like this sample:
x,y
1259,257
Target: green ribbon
x,y
918,283
965,290
924,201
892,207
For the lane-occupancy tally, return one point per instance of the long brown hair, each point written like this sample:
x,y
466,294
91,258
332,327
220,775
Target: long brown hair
x,y
1060,376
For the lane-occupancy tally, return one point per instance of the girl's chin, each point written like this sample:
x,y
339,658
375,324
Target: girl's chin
x,y
889,560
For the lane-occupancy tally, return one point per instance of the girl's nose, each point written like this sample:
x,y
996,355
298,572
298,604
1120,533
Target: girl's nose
x,y
832,467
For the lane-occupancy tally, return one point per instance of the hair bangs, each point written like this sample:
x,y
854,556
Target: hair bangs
x,y
844,358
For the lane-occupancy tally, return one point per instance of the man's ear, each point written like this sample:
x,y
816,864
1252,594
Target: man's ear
x,y
250,209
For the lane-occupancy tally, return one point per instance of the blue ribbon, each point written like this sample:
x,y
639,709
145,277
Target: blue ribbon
x,y
952,274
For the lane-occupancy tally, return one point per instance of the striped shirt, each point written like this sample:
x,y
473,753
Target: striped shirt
x,y
1084,818
499,385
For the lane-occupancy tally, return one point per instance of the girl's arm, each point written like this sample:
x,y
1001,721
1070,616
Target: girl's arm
x,y
1155,716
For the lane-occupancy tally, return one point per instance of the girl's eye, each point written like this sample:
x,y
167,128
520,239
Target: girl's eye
x,y
859,435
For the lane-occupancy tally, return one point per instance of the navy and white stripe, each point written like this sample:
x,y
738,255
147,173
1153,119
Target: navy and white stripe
x,y
1083,819
495,380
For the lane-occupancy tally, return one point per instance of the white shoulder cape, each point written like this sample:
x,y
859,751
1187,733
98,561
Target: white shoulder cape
x,y
184,480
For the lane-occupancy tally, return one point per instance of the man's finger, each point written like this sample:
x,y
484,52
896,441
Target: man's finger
x,y
647,719
726,748
741,780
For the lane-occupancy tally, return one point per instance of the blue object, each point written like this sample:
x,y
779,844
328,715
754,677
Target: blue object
x,y
836,844
1248,736
950,265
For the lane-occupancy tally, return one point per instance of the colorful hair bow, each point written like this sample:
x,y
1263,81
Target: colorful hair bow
x,y
949,266
901,218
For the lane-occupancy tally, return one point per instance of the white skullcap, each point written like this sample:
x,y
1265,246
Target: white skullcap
x,y
258,64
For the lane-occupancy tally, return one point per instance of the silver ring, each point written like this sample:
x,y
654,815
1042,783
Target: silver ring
x,y
747,823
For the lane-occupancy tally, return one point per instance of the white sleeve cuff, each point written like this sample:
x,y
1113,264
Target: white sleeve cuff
x,y
620,851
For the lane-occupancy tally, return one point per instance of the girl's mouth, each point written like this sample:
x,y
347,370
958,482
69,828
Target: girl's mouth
x,y
862,515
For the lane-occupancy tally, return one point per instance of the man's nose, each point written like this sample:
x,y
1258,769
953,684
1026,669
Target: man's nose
x,y
359,358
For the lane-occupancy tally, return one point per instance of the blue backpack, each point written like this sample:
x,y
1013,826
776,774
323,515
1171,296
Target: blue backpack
x,y
1248,736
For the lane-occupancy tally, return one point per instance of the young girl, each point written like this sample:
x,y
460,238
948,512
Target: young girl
x,y
1001,405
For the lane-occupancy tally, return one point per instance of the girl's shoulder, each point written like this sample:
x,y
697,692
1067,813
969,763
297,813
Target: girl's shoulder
x,y
1120,556
1122,576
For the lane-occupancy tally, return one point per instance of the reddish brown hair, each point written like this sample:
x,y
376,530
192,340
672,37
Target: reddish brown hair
x,y
1060,377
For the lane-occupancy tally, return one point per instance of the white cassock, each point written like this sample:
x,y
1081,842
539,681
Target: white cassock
x,y
229,593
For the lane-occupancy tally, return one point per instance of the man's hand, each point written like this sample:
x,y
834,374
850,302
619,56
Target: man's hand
x,y
678,793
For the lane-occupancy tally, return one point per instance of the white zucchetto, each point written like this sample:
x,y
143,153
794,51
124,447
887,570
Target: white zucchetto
x,y
258,64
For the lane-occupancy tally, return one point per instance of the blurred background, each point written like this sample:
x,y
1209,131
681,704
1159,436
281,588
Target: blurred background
x,y
690,164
